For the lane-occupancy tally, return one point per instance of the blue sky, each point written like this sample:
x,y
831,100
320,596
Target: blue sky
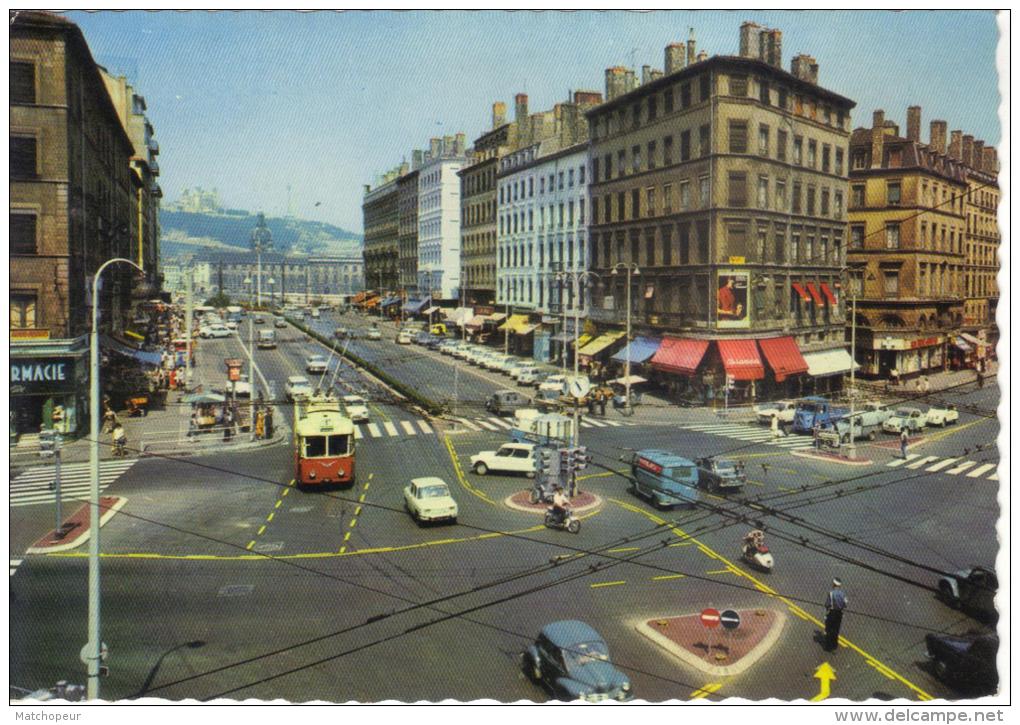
x,y
249,102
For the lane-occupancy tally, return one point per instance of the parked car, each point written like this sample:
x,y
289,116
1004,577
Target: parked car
x,y
214,331
572,660
374,334
429,499
357,409
422,338
279,322
557,383
720,475
503,402
341,333
231,324
966,662
913,419
315,364
434,342
546,400
259,320
509,458
783,409
405,337
972,590
298,387
943,415
525,375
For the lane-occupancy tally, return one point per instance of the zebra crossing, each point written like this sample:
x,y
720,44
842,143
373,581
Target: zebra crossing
x,y
389,429
948,466
752,434
495,423
418,426
32,487
15,563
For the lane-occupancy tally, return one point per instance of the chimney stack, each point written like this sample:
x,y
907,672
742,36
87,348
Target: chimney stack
x,y
674,57
459,144
434,148
979,155
914,123
990,163
877,138
520,107
702,55
955,144
805,67
498,114
750,40
773,47
968,151
691,48
937,136
646,74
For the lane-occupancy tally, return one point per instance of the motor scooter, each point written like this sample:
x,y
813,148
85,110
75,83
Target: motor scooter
x,y
757,556
541,492
567,521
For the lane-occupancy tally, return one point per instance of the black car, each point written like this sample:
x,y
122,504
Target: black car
x,y
433,342
720,474
966,662
971,590
572,660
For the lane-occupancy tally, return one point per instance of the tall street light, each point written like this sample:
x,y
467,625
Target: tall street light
x,y
632,270
261,240
576,278
93,649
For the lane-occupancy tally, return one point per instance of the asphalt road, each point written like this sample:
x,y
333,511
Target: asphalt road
x,y
221,579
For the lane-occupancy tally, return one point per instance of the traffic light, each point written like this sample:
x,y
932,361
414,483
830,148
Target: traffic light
x,y
581,458
566,462
548,461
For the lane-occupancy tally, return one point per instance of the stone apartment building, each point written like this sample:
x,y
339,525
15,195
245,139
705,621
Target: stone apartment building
x,y
439,218
407,226
723,180
380,211
131,109
907,246
73,206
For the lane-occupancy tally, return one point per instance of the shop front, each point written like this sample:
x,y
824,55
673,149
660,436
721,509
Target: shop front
x,y
826,369
787,365
521,331
592,356
48,387
676,364
905,357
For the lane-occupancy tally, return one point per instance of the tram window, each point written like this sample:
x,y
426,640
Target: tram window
x,y
339,445
315,446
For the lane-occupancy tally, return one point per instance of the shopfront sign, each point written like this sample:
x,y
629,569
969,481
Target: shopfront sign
x,y
42,375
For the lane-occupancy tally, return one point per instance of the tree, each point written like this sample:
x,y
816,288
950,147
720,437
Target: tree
x,y
220,299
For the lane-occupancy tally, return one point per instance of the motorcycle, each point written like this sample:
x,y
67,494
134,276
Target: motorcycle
x,y
567,521
541,492
757,556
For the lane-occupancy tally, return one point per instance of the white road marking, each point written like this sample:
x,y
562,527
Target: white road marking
x,y
391,430
597,424
994,477
33,486
944,463
961,468
980,470
408,428
921,462
501,423
425,428
900,461
486,425
358,435
467,423
373,430
15,563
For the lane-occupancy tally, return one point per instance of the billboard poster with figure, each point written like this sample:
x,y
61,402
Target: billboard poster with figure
x,y
731,299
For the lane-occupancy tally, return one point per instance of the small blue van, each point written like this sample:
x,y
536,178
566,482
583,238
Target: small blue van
x,y
664,478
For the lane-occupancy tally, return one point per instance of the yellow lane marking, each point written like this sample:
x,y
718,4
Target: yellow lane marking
x,y
460,473
250,545
625,548
608,584
270,517
683,543
755,483
354,522
285,492
279,503
706,690
357,511
361,498
784,488
601,475
720,571
343,549
825,674
795,609
666,577
347,537
261,529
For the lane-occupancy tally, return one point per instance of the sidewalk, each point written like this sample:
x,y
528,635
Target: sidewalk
x,y
943,381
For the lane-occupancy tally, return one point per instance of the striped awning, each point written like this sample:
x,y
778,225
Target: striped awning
x,y
600,343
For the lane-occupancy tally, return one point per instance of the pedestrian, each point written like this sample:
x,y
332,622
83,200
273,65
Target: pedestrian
x,y
904,440
260,424
980,379
602,403
775,426
193,426
815,431
894,374
835,603
119,439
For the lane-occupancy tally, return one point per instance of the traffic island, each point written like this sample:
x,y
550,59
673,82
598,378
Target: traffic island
x,y
717,650
75,530
521,501
832,457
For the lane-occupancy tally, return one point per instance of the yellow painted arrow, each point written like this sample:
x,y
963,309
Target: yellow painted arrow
x,y
825,674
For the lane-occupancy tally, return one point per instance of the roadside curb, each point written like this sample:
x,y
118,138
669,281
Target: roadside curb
x,y
111,509
509,502
830,458
206,450
689,658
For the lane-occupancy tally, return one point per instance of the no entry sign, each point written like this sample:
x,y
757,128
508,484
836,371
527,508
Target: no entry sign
x,y
710,618
730,619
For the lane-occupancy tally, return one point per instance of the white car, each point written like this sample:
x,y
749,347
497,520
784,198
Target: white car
x,y
357,409
557,383
429,499
405,337
910,418
214,331
231,324
527,376
517,366
298,387
783,409
315,364
374,334
943,416
510,458
502,363
241,388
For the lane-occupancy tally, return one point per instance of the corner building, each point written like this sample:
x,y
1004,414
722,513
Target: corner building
x,y
724,181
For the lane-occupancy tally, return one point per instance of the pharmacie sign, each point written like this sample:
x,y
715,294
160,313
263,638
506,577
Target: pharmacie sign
x,y
42,375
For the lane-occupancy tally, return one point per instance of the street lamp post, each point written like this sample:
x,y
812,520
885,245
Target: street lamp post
x,y
576,278
272,298
94,645
632,269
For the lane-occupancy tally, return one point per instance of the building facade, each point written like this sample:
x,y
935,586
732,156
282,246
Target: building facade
x,y
724,183
407,229
72,207
380,212
906,250
439,219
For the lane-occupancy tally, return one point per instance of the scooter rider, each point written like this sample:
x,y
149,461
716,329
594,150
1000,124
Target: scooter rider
x,y
561,504
753,540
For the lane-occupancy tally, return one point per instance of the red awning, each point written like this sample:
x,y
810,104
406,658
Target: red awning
x,y
783,356
741,359
800,291
679,356
828,294
815,294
